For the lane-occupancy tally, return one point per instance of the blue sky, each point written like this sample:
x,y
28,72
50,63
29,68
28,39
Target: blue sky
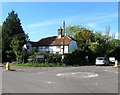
x,y
40,19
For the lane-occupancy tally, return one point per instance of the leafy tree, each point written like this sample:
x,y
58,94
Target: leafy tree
x,y
99,44
114,48
13,37
98,37
71,30
17,44
94,44
114,43
83,38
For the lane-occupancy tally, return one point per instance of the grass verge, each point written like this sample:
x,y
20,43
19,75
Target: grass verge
x,y
40,64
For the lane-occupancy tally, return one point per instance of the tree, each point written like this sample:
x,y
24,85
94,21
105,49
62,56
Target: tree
x,y
13,37
83,38
98,44
71,30
114,48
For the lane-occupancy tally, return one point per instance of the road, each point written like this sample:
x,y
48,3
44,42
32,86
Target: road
x,y
84,79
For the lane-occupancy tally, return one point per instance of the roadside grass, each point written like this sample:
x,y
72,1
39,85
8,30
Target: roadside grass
x,y
30,64
39,64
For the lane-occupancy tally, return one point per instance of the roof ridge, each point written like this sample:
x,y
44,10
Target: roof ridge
x,y
49,37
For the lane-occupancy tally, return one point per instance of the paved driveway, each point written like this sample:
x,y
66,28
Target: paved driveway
x,y
84,79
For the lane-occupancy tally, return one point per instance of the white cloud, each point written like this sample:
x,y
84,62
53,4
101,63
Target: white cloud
x,y
92,21
44,23
91,25
116,35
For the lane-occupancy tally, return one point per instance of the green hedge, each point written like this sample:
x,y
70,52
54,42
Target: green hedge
x,y
78,58
48,58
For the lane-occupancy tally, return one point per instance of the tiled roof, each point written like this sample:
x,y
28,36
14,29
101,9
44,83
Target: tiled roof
x,y
54,41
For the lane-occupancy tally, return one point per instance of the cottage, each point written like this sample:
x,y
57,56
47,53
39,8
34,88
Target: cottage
x,y
55,44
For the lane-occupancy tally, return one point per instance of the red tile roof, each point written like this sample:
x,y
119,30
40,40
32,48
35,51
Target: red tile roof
x,y
54,41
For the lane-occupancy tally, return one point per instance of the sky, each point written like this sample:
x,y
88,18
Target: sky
x,y
42,19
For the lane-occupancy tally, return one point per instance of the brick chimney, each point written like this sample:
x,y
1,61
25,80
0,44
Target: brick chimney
x,y
60,33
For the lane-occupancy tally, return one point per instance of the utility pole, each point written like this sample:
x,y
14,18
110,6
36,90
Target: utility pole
x,y
63,34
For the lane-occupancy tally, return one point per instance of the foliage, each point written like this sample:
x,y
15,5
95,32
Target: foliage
x,y
71,30
83,38
78,57
96,43
114,49
117,53
13,37
17,44
48,57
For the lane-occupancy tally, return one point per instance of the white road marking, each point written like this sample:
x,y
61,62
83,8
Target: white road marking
x,y
59,74
78,74
90,84
111,71
49,82
94,75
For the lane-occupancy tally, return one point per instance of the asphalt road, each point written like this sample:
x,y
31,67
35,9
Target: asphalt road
x,y
85,79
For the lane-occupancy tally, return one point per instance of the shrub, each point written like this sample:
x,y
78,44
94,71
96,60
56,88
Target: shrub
x,y
52,58
78,57
48,57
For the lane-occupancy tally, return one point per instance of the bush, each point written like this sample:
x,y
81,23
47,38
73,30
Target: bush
x,y
115,53
48,57
78,58
52,58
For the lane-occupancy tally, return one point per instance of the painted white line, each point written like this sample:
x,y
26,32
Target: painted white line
x,y
60,74
89,76
49,82
90,84
116,72
78,74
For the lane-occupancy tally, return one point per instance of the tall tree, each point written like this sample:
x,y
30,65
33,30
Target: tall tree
x,y
12,31
71,30
83,38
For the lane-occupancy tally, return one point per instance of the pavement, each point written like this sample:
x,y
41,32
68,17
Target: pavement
x,y
84,79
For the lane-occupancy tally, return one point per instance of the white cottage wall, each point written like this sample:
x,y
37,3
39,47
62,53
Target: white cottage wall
x,y
72,45
54,49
